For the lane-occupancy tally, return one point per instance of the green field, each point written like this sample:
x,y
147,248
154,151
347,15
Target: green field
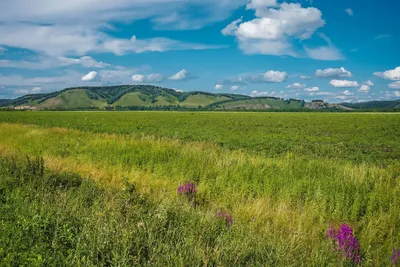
x,y
100,188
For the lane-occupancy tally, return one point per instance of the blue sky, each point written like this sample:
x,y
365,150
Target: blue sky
x,y
336,50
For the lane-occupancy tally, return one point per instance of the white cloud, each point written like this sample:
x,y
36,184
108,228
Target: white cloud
x,y
181,76
303,77
151,78
349,11
369,83
395,85
163,13
393,75
85,61
139,78
329,52
274,27
219,86
232,27
22,92
270,76
323,94
36,90
45,62
274,76
234,87
347,93
296,86
257,93
396,93
312,89
331,72
364,89
344,83
91,76
60,40
324,53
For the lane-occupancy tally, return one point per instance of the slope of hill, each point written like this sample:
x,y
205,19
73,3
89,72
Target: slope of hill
x,y
4,102
118,96
395,104
258,103
141,97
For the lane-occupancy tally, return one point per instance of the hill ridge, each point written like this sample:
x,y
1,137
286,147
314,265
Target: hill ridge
x,y
143,97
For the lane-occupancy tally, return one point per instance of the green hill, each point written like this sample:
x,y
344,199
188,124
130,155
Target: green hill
x,y
259,103
143,97
125,96
395,104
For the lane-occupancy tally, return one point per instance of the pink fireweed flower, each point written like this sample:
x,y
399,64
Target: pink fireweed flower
x,y
395,259
226,217
188,189
347,244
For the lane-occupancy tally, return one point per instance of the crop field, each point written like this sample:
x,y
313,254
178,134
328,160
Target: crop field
x,y
199,189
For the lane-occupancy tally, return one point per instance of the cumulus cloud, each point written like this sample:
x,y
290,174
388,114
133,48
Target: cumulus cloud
x,y
22,92
36,90
274,76
275,27
151,78
182,75
364,89
344,83
270,76
258,94
395,85
349,11
235,87
393,75
232,27
347,93
312,89
91,76
296,86
304,77
369,83
219,86
331,72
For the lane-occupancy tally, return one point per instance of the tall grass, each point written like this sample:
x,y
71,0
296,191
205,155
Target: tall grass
x,y
281,207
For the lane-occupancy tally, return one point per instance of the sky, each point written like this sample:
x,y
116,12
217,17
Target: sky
x,y
335,50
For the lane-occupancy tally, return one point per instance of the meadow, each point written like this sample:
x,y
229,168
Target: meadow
x,y
100,188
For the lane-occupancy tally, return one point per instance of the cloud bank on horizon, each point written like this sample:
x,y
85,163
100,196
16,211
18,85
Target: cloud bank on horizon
x,y
331,50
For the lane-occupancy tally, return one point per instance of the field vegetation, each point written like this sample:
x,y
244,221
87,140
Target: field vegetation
x,y
108,188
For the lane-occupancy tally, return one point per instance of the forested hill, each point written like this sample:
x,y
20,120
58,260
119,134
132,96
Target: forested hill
x,y
147,97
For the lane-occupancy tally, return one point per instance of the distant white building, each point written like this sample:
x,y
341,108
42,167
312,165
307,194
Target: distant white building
x,y
25,108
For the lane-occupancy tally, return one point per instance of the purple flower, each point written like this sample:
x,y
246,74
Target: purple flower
x,y
347,244
188,189
226,217
395,259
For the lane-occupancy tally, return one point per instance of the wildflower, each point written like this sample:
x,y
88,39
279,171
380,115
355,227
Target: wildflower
x,y
395,259
225,216
188,189
347,244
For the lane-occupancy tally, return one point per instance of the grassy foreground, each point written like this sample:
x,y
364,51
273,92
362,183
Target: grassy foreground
x,y
281,206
